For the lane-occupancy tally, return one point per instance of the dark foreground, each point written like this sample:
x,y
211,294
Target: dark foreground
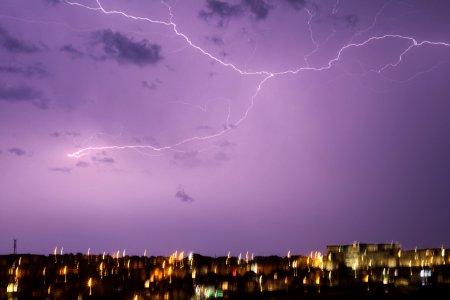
x,y
359,271
349,293
427,292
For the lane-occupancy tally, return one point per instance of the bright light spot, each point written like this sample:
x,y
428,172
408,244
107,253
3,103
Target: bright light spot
x,y
12,287
425,273
365,278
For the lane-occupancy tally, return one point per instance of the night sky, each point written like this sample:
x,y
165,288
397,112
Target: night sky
x,y
209,126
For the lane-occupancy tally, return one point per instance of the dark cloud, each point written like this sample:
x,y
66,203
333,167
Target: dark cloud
x,y
107,160
223,10
183,196
186,155
227,144
17,151
221,156
72,133
23,93
66,133
53,2
82,164
14,45
62,170
296,4
134,140
149,85
228,126
117,46
190,159
150,140
203,127
258,8
72,51
351,20
217,40
36,70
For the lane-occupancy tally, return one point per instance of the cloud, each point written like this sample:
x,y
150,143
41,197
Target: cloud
x,y
217,40
36,70
186,155
227,126
23,93
72,133
117,46
222,10
62,170
82,164
203,127
53,2
227,144
351,20
258,8
107,160
183,196
189,159
297,4
150,140
221,156
17,151
66,133
149,85
14,45
72,51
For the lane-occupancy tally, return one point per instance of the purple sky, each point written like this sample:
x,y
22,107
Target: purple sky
x,y
209,126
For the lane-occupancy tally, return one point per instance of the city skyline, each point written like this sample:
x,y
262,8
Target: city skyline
x,y
246,255
215,126
382,270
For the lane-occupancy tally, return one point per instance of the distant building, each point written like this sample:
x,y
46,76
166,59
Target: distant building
x,y
359,255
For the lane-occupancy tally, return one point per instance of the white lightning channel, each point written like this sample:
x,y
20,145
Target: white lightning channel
x,y
266,74
311,36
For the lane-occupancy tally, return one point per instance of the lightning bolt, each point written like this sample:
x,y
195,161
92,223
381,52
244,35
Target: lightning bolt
x,y
335,7
375,19
266,75
311,36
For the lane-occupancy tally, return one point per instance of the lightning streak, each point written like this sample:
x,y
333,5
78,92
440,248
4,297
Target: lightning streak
x,y
374,23
335,7
170,23
204,108
414,43
266,75
311,36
